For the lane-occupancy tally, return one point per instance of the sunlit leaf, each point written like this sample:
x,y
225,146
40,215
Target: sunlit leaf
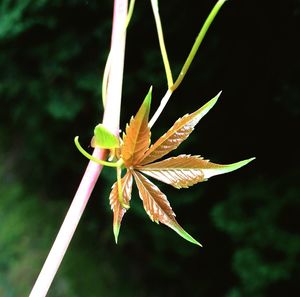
x,y
104,138
180,131
137,137
158,207
216,169
184,171
180,172
118,210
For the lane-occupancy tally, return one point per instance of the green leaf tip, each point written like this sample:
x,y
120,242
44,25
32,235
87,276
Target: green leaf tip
x,y
144,109
201,112
103,138
217,169
116,230
178,229
237,165
212,102
148,98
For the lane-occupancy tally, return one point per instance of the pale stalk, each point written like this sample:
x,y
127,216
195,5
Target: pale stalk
x,y
160,108
189,59
111,120
107,65
130,12
197,43
163,50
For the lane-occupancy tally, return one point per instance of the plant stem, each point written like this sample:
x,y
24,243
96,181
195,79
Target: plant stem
x,y
108,61
87,155
68,227
160,108
111,120
197,43
130,12
111,117
162,46
105,79
189,59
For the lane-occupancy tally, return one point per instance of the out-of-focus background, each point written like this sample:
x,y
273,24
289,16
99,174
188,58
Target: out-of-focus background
x,y
52,55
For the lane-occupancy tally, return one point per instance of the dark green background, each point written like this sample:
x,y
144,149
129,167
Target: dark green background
x,y
52,57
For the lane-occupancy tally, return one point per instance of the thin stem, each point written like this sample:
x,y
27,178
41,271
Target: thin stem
x,y
105,79
130,12
154,4
111,120
197,43
160,108
89,156
189,59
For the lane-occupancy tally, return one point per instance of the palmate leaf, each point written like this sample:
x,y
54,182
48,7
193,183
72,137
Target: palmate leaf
x,y
184,171
180,131
158,207
137,137
115,204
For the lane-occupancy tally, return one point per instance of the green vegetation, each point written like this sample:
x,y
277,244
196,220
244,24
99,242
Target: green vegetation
x,y
52,55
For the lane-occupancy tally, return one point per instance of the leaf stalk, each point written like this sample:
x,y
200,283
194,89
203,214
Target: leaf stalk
x,y
154,4
197,43
90,157
173,86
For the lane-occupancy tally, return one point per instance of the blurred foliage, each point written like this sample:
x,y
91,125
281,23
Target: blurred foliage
x,y
262,219
28,226
52,55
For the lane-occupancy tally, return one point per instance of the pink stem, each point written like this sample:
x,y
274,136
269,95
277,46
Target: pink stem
x,y
111,120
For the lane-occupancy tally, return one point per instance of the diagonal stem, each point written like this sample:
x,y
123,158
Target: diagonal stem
x,y
197,43
188,61
108,61
68,227
111,120
154,4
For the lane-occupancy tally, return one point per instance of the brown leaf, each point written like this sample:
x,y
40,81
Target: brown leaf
x,y
158,207
180,131
184,171
115,204
180,172
137,138
155,202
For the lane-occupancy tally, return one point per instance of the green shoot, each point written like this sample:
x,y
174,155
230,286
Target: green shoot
x,y
163,50
130,12
197,43
90,157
